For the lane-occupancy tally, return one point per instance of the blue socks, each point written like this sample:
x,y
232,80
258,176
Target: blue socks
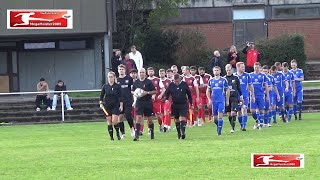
x,y
261,119
274,114
255,116
244,121
290,113
295,109
269,116
240,120
266,117
220,124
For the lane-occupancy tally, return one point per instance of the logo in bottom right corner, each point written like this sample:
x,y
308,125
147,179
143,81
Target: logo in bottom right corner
x,y
277,160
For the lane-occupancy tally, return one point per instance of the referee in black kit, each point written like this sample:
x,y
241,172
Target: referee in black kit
x,y
179,90
113,103
235,93
126,83
144,105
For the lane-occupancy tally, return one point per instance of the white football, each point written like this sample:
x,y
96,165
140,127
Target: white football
x,y
138,92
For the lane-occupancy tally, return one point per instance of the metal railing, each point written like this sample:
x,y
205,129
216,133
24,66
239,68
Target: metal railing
x,y
53,92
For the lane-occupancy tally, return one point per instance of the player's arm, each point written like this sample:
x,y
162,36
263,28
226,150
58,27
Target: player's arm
x,y
167,92
251,89
208,93
267,90
286,83
102,94
188,93
277,92
151,88
196,86
162,90
227,96
120,95
239,88
301,75
293,86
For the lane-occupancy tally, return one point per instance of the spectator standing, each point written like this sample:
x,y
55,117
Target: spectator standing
x,y
43,87
115,61
233,58
136,56
129,63
252,56
60,86
215,61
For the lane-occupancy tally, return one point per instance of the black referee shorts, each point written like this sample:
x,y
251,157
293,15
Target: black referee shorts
x,y
179,110
144,108
112,109
127,109
233,104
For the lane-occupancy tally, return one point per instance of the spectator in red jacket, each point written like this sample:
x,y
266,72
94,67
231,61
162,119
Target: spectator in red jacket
x,y
252,56
129,63
233,58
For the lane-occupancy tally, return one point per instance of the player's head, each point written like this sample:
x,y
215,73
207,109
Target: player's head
x,y
142,73
122,69
169,73
150,71
229,69
133,73
216,71
285,66
162,73
111,77
177,78
273,69
174,69
133,49
185,70
278,65
201,70
60,83
256,67
127,57
294,64
240,67
265,69
193,70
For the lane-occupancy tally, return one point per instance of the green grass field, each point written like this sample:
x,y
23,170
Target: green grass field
x,y
83,151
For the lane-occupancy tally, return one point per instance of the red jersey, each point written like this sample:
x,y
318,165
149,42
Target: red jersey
x,y
192,83
198,78
166,82
205,79
252,57
156,83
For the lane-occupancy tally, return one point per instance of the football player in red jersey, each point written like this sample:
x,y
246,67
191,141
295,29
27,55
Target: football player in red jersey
x,y
197,108
193,85
156,102
165,107
202,93
174,69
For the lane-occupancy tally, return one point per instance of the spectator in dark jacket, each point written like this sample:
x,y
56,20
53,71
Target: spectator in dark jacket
x,y
233,58
252,56
60,87
129,63
215,61
115,61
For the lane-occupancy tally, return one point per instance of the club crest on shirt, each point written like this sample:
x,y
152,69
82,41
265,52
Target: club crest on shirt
x,y
256,80
216,84
127,81
233,81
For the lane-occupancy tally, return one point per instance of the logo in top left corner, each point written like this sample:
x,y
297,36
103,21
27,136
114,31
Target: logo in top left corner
x,y
39,19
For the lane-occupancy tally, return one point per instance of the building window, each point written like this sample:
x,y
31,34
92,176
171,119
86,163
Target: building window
x,y
244,14
295,11
42,45
72,44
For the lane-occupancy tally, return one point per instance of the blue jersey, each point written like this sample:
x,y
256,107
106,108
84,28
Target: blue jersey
x,y
245,81
258,80
218,87
271,85
298,73
279,80
290,78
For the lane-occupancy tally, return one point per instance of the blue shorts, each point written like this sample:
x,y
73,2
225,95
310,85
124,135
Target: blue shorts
x,y
272,99
258,104
288,98
299,96
281,102
218,107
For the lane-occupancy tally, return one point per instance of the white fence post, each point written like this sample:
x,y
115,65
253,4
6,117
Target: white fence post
x,y
62,106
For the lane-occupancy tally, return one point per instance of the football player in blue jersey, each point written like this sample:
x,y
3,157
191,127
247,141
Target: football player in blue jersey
x,y
283,86
298,77
274,96
217,86
261,93
288,96
247,90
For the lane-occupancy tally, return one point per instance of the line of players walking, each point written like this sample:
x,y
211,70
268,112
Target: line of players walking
x,y
139,95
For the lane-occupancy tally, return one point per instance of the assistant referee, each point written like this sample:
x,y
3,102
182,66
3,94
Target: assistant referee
x,y
179,90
